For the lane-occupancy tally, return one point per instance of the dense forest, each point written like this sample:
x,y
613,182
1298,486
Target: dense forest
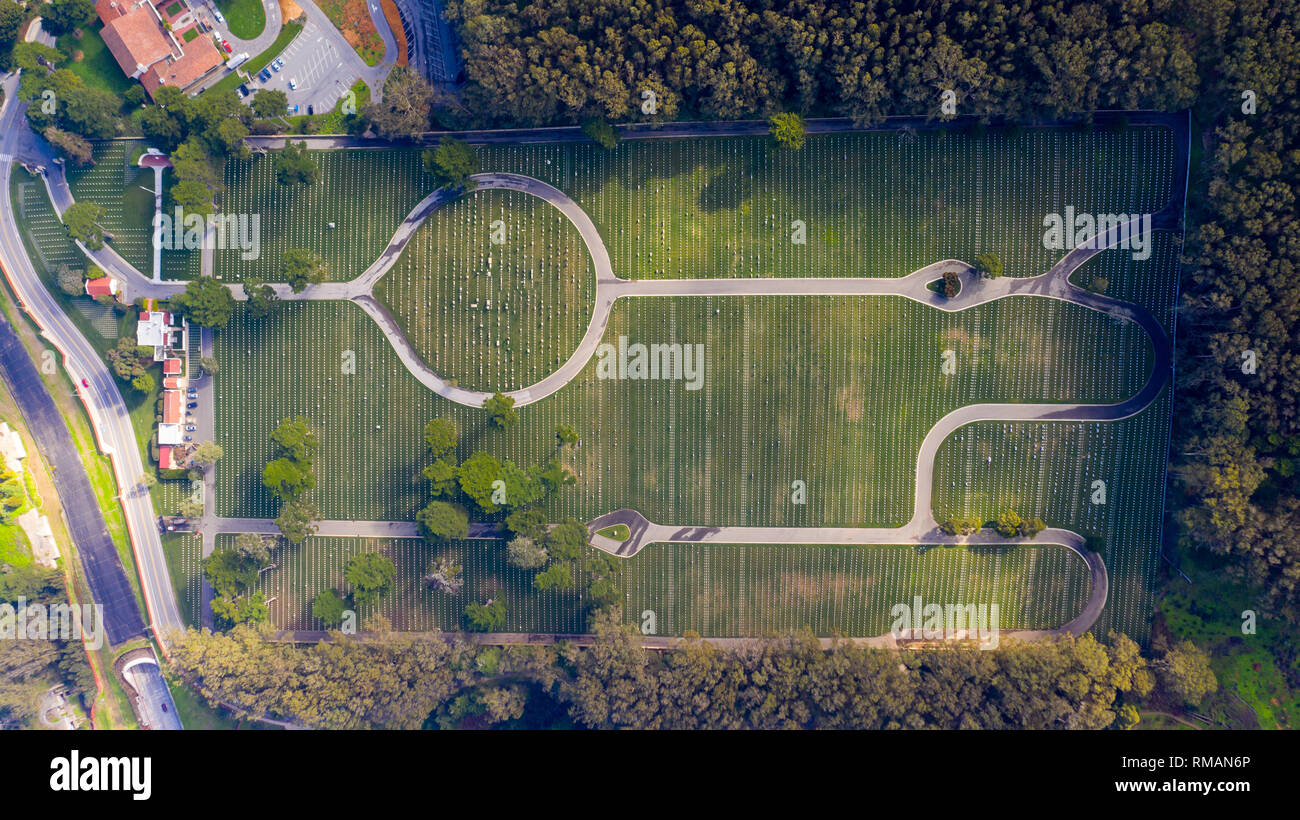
x,y
399,680
1236,456
567,60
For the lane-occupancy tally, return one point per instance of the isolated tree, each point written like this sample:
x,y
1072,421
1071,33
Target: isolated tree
x,y
209,365
287,478
951,283
192,197
189,509
371,575
301,267
441,475
144,383
328,607
988,265
566,434
486,617
441,436
82,221
206,302
566,540
446,575
269,102
253,547
297,520
261,298
528,523
452,163
1031,527
1008,524
557,576
476,476
294,438
70,281
502,410
74,147
443,521
525,553
788,130
294,165
404,110
207,454
1185,674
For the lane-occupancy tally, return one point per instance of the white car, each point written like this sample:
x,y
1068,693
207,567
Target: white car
x,y
293,85
216,12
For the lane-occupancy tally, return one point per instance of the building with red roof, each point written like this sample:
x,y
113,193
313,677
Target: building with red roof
x,y
103,286
147,50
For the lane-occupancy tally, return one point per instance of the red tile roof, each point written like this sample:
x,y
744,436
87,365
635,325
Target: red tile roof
x,y
103,286
171,367
165,457
201,56
171,407
133,35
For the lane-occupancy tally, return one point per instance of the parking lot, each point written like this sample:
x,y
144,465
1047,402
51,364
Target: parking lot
x,y
313,63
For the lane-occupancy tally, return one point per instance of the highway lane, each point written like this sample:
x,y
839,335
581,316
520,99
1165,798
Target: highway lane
x,y
108,413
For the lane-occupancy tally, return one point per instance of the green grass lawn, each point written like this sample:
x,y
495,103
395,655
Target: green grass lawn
x,y
190,35
246,19
456,291
364,213
619,532
714,589
97,67
835,392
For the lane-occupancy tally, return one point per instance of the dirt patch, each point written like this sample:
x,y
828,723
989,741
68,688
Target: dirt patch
x,y
352,19
810,589
849,400
289,10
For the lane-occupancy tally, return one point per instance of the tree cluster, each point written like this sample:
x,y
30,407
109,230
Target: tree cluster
x,y
653,60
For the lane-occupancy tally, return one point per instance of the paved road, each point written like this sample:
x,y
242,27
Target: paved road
x,y
108,413
100,562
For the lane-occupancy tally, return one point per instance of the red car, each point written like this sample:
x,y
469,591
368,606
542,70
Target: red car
x,y
85,383
226,45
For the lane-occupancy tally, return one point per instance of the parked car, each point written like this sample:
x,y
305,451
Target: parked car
x,y
243,91
192,405
216,12
293,85
189,438
275,66
311,109
226,45
190,428
265,74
